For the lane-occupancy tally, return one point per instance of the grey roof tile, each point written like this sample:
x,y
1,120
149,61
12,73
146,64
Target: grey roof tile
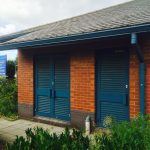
x,y
123,15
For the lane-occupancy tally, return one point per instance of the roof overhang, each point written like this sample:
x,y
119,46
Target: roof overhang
x,y
73,38
11,36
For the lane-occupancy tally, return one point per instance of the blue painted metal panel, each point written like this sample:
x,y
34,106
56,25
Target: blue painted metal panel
x,y
113,97
53,87
62,88
112,85
3,61
43,86
142,88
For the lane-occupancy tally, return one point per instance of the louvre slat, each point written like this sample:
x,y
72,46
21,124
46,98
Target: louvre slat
x,y
43,86
43,73
43,104
62,81
53,69
112,71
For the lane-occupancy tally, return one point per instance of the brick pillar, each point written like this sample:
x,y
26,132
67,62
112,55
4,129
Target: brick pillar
x,y
134,91
145,44
25,84
82,78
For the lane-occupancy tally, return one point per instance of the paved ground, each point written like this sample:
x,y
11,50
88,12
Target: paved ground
x,y
9,129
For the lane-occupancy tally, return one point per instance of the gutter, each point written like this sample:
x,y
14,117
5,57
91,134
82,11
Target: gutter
x,y
134,42
79,37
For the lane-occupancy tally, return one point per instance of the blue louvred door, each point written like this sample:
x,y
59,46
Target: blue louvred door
x,y
62,86
43,89
112,86
53,87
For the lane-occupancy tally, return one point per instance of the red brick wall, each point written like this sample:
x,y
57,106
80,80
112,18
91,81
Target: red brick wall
x,y
134,84
25,78
82,79
134,79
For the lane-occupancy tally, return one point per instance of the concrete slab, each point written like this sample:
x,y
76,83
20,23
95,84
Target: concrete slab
x,y
10,129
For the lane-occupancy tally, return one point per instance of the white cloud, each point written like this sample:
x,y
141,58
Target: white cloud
x,y
27,13
8,28
20,14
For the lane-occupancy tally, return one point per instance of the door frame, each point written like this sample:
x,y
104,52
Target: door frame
x,y
97,103
53,55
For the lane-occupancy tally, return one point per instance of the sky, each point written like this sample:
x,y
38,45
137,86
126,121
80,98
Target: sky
x,y
16,15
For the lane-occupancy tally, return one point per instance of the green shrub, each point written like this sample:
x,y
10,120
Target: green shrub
x,y
134,135
10,69
8,97
39,139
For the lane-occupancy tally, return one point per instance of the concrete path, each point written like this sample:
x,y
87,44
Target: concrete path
x,y
10,129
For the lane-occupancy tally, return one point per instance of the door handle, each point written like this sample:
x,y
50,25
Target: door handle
x,y
126,100
54,93
50,92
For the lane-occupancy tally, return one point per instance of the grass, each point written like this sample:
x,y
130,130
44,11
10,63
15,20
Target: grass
x,y
12,117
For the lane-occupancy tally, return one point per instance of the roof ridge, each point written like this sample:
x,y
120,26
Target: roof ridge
x,y
94,11
46,24
130,13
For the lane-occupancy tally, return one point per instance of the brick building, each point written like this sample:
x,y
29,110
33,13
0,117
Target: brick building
x,y
96,64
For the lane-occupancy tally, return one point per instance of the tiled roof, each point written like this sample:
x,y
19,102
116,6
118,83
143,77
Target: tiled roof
x,y
132,13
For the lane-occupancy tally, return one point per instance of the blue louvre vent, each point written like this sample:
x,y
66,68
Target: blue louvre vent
x,y
112,86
